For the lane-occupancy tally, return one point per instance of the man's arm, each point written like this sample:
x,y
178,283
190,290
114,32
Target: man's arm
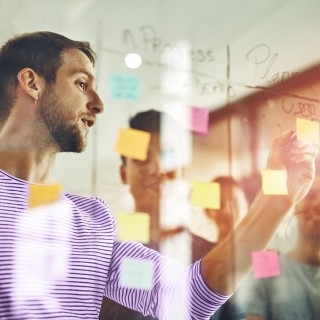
x,y
224,267
175,292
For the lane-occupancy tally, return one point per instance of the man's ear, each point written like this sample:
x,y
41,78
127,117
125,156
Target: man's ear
x,y
30,83
123,173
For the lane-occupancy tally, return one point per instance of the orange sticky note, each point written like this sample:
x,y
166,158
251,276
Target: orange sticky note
x,y
135,273
265,264
132,143
206,194
274,182
133,226
43,194
307,130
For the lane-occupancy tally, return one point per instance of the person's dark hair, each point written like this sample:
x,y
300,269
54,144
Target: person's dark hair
x,y
40,51
149,121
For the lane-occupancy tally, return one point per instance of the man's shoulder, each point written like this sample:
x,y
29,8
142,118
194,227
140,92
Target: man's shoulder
x,y
82,200
91,210
88,203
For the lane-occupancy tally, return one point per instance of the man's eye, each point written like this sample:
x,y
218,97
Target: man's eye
x,y
82,85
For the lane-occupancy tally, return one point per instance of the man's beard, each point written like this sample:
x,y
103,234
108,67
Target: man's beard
x,y
58,121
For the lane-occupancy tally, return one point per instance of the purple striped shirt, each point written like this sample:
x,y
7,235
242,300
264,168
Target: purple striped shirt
x,y
58,261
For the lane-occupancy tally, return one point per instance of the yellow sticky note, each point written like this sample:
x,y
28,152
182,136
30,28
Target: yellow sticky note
x,y
274,182
206,194
307,130
43,194
132,143
133,226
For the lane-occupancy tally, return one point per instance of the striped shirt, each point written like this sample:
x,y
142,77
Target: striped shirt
x,y
58,261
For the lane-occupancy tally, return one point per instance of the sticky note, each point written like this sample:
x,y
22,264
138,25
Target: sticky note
x,y
274,182
43,194
133,226
265,264
206,194
124,87
199,120
307,130
133,143
136,273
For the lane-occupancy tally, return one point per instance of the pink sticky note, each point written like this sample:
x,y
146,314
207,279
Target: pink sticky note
x,y
199,120
265,264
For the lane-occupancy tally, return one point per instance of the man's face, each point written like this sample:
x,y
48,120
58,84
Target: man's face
x,y
145,177
69,106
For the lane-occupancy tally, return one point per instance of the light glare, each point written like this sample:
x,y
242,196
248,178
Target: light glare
x,y
133,60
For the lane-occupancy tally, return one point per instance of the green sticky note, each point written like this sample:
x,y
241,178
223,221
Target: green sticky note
x,y
43,194
133,143
206,195
136,273
307,130
133,226
274,182
124,87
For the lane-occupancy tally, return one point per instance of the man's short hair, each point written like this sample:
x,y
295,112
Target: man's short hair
x,y
149,121
40,51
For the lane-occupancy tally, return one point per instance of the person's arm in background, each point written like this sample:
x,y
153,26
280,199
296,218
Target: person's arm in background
x,y
227,264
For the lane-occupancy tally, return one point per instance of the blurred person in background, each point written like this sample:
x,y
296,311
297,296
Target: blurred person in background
x,y
295,293
160,192
211,226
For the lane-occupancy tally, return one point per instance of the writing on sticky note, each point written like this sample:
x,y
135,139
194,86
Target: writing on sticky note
x,y
307,130
199,120
133,226
124,87
274,182
135,273
265,264
206,194
132,143
43,194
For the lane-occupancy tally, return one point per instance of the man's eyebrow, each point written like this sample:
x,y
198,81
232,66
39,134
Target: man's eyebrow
x,y
82,70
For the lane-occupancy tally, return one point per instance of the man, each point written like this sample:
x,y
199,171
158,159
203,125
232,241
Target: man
x,y
48,104
146,180
295,293
212,226
209,227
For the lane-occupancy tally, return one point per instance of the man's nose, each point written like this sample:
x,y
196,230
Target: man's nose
x,y
95,104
